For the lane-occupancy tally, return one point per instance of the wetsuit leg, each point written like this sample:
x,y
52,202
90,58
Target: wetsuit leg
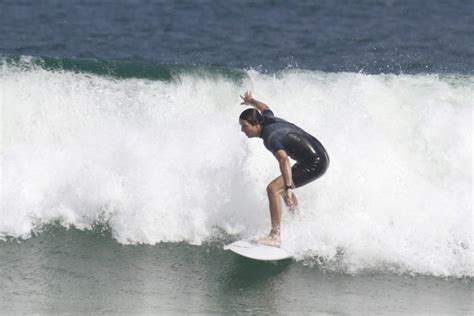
x,y
309,171
313,162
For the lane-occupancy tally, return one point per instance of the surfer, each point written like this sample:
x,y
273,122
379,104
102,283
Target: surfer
x,y
285,140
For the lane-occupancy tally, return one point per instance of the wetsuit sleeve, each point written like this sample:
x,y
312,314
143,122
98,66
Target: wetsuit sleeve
x,y
267,113
274,145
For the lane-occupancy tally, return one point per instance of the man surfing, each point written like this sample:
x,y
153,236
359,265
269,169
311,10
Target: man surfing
x,y
285,140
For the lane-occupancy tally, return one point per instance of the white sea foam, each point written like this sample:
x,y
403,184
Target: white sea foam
x,y
166,161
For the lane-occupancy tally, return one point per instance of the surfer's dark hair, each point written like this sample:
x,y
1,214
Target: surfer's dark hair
x,y
252,116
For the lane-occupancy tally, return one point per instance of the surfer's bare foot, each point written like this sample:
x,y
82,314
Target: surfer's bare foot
x,y
271,240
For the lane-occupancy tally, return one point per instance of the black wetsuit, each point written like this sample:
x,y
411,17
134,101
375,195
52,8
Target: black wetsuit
x,y
311,158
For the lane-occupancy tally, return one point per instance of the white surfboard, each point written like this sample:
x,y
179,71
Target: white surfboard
x,y
250,249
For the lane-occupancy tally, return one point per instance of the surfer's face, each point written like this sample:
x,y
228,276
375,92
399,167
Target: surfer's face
x,y
249,129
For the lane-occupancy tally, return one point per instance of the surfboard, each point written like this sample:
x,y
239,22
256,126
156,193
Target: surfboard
x,y
250,249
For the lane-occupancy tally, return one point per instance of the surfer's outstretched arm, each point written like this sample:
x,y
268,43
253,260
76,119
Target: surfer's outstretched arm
x,y
249,100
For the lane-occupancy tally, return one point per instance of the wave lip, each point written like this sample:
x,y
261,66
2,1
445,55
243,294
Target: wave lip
x,y
118,70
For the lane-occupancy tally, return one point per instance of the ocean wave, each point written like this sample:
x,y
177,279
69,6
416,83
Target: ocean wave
x,y
164,161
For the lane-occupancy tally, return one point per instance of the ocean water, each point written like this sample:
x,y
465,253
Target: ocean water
x,y
124,171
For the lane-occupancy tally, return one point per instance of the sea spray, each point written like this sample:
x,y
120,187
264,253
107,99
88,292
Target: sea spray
x,y
166,161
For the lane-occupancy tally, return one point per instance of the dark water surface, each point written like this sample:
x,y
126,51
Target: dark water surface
x,y
375,36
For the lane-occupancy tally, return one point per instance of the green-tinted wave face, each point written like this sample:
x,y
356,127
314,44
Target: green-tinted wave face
x,y
122,70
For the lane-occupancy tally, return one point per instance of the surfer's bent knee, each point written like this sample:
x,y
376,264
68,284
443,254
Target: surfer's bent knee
x,y
273,188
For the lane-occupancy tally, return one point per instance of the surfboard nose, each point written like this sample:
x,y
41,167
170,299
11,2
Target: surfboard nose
x,y
250,249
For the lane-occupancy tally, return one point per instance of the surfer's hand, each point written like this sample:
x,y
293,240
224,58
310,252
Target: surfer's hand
x,y
288,197
247,98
